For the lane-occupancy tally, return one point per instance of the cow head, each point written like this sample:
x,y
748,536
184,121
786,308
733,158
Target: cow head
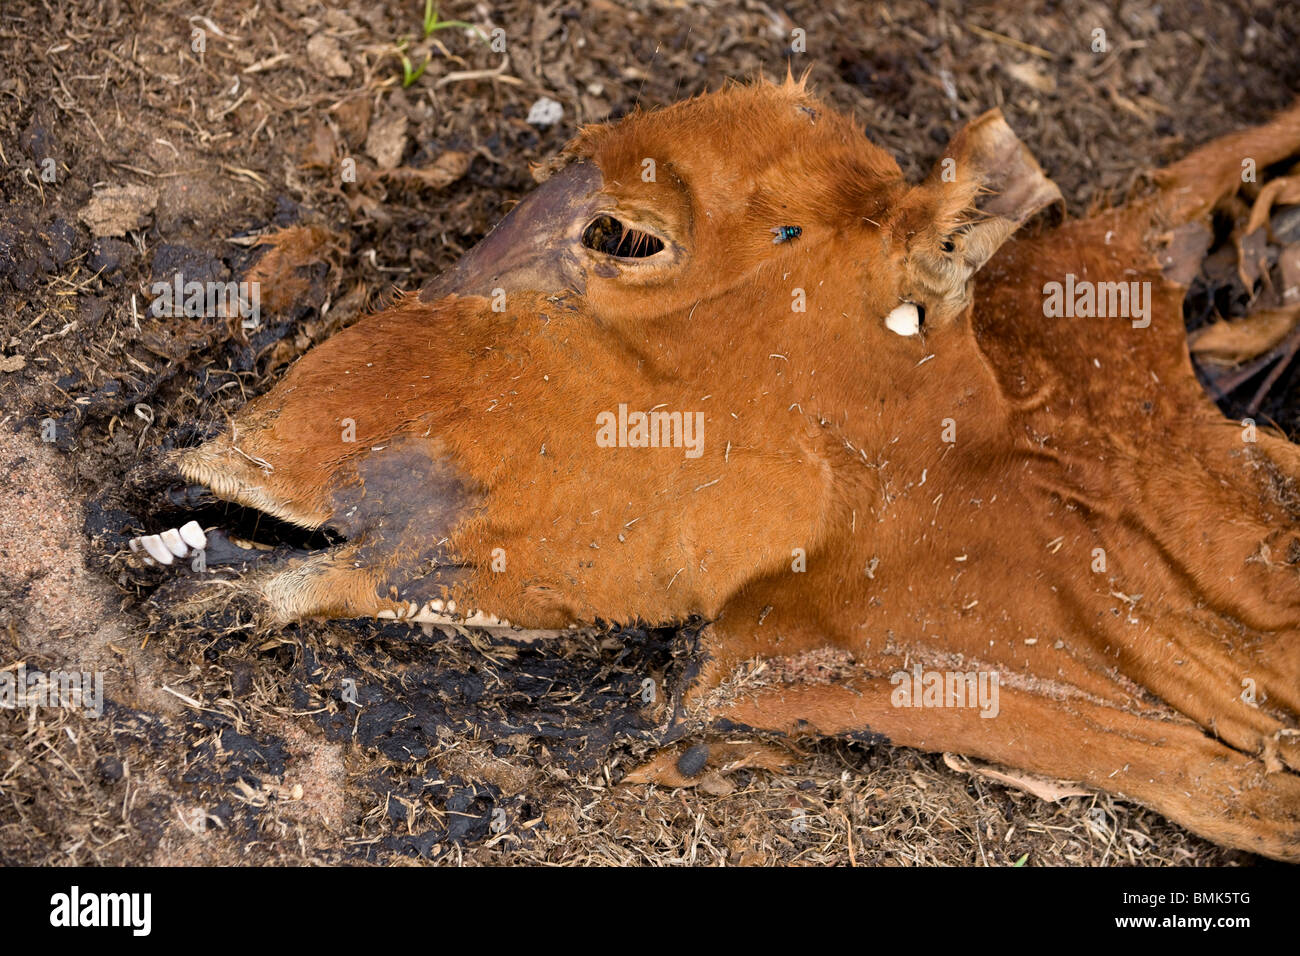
x,y
718,279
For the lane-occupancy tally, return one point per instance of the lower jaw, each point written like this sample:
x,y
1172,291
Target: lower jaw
x,y
442,614
219,550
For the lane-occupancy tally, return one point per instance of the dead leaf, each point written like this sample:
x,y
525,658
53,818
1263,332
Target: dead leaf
x,y
340,21
444,171
1231,343
1041,787
113,210
325,53
1031,75
716,785
353,117
320,151
386,141
12,363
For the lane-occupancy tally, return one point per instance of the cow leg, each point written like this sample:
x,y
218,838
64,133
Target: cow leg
x,y
1154,756
1167,764
1230,693
1191,187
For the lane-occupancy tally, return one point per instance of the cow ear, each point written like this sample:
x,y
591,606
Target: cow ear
x,y
983,188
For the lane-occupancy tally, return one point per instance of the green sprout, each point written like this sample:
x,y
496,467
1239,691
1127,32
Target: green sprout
x,y
410,73
430,25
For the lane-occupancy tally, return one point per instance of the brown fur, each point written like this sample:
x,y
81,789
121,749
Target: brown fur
x,y
290,250
823,432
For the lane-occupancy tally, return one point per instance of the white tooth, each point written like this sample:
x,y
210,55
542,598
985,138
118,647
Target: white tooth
x,y
193,535
451,607
412,609
477,619
153,544
436,605
172,538
505,623
387,615
904,320
134,544
149,562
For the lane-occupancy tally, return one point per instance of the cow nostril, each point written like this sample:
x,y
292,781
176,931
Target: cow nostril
x,y
606,234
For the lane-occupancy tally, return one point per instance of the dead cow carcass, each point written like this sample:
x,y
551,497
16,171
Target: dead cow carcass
x,y
778,387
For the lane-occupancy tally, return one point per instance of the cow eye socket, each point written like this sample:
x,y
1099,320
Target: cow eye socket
x,y
610,236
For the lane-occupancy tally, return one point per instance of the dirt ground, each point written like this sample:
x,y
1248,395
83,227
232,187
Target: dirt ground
x,y
142,138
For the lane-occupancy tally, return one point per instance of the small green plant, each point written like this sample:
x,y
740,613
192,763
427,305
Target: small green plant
x,y
410,73
430,25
